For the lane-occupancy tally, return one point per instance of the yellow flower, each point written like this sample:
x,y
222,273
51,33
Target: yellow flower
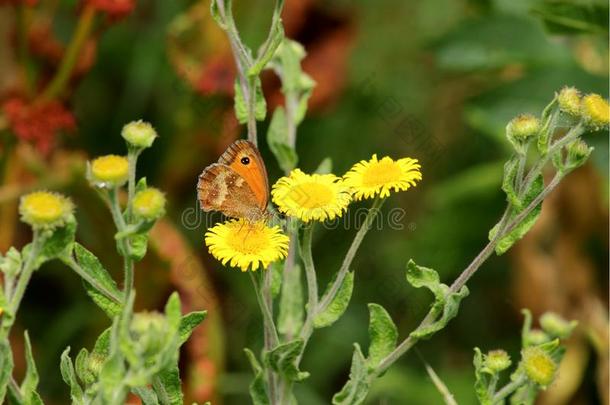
x,y
569,100
595,111
311,196
246,244
538,365
149,204
139,134
378,177
109,170
45,210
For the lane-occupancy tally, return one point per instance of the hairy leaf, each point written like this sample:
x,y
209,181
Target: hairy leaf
x,y
290,318
356,389
6,367
283,359
338,305
277,138
69,377
188,323
241,106
383,335
258,390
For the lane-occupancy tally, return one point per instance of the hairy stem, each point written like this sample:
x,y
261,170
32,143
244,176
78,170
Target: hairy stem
x,y
508,389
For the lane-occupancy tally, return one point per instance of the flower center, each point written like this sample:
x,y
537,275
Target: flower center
x,y
248,238
311,195
44,207
382,172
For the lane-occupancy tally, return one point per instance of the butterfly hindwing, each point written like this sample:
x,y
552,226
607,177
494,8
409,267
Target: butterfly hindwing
x,y
220,188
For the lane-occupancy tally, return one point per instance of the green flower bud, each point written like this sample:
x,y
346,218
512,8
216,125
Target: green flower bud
x,y
521,129
139,134
11,263
149,332
569,101
45,210
497,360
556,326
578,153
595,111
538,365
149,204
108,171
536,337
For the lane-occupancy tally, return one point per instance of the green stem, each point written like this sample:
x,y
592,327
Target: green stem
x,y
132,158
312,283
70,262
351,253
508,389
81,34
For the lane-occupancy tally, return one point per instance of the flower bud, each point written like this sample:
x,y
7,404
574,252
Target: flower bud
x,y
556,326
569,101
139,134
536,337
45,210
538,365
149,204
578,153
497,360
11,263
109,171
149,331
520,129
595,111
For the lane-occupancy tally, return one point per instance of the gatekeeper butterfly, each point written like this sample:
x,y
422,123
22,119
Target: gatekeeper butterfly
x,y
237,184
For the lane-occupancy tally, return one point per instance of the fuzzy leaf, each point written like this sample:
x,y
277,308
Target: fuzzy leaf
x,y
508,183
277,271
188,323
169,390
356,389
290,318
528,222
241,106
147,395
481,384
94,269
59,244
258,390
275,39
6,367
138,245
30,381
449,311
277,138
419,276
69,377
338,305
383,335
283,359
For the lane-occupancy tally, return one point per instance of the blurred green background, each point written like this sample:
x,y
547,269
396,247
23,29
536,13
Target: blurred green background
x,y
436,80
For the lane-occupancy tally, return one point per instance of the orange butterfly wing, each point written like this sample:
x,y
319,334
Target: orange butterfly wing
x,y
237,185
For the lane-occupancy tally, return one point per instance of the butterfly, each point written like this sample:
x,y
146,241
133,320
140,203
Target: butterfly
x,y
237,184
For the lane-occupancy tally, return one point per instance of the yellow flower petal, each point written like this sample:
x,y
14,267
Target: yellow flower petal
x,y
368,179
246,245
42,209
109,170
310,197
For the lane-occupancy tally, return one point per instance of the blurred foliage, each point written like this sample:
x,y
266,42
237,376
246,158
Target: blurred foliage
x,y
434,79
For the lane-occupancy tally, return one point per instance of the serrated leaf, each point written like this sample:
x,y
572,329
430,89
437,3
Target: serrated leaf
x,y
188,323
69,377
283,359
277,138
508,183
94,269
338,305
356,389
241,106
6,367
169,391
382,333
507,241
258,390
290,318
446,303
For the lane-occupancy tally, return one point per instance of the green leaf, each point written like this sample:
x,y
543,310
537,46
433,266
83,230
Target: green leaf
x,y
69,377
81,365
446,303
59,243
338,305
92,267
356,389
508,183
11,264
507,241
6,366
141,185
173,311
481,385
241,106
188,323
147,395
170,388
138,244
277,270
30,381
325,166
215,12
290,318
277,138
383,335
258,389
573,17
284,358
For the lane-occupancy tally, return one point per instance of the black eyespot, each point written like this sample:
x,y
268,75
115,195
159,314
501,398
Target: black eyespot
x,y
245,160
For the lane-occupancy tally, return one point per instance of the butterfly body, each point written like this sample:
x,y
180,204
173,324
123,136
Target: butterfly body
x,y
237,184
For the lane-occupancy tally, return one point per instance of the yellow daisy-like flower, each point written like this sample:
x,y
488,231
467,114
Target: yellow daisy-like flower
x,y
368,179
245,244
45,210
309,197
109,170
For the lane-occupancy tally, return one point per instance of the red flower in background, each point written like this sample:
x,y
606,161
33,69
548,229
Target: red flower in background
x,y
26,2
116,9
38,123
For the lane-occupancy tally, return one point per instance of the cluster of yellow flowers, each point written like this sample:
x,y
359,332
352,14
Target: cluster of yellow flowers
x,y
308,197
